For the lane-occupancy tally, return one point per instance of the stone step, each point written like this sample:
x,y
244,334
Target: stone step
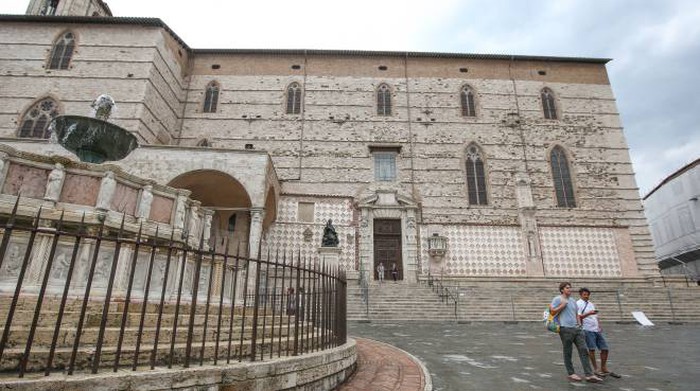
x,y
522,303
71,319
44,335
85,355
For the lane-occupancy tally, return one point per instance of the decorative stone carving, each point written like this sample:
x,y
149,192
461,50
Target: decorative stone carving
x,y
107,187
13,261
193,226
55,183
145,203
523,191
437,246
208,215
3,166
102,107
512,120
308,234
180,211
330,237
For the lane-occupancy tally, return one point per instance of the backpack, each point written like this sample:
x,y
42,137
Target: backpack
x,y
551,322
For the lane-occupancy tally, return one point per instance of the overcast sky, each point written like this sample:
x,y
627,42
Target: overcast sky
x,y
654,44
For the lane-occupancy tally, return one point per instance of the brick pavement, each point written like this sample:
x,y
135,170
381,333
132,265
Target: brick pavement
x,y
382,367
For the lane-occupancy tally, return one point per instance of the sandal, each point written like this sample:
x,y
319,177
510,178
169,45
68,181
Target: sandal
x,y
574,377
593,379
609,373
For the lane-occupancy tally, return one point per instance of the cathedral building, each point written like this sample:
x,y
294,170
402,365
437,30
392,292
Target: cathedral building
x,y
465,165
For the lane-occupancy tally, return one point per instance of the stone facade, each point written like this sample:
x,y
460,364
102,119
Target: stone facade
x,y
324,157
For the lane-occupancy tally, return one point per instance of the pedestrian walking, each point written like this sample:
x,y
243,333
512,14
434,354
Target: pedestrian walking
x,y
380,272
595,340
571,334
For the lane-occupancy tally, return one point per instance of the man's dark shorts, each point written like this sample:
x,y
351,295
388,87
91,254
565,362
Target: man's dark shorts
x,y
595,340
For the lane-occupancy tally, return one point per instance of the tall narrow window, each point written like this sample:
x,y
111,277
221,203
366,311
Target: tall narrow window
x,y
384,100
561,176
467,100
35,123
294,99
548,105
62,51
476,179
211,97
384,166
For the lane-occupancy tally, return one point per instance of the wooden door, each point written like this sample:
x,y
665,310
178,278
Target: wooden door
x,y
387,247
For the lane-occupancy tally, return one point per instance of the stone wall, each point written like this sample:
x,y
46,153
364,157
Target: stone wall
x,y
134,66
294,234
315,371
326,149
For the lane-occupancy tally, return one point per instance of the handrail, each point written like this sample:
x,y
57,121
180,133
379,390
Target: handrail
x,y
443,292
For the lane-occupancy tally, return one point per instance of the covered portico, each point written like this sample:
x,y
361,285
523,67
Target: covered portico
x,y
241,186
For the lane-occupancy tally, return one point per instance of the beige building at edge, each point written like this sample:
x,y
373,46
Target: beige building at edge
x,y
490,166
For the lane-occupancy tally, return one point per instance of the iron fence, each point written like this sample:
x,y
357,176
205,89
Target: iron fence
x,y
76,296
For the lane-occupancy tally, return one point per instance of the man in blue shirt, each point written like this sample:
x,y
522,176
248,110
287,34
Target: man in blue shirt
x,y
566,310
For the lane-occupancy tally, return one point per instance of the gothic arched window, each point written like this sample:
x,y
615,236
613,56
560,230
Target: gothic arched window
x,y
548,105
35,123
294,99
467,101
561,176
476,178
211,97
62,51
383,100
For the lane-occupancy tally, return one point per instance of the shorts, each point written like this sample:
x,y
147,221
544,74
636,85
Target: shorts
x,y
595,340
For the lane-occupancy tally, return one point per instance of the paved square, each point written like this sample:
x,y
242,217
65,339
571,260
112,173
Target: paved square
x,y
524,356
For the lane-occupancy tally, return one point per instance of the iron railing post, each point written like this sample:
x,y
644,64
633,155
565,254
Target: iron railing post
x,y
256,300
193,308
40,298
166,274
108,297
86,297
296,307
64,297
20,277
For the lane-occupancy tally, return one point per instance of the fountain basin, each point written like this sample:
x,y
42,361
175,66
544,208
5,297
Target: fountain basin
x,y
93,140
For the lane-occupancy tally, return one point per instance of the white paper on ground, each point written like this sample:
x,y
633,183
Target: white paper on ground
x,y
641,318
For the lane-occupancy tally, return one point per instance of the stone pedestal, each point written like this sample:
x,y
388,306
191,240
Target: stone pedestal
x,y
330,256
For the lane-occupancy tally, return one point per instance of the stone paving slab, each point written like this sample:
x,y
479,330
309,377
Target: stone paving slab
x,y
516,357
382,367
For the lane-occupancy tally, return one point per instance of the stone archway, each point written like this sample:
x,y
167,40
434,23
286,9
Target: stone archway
x,y
229,200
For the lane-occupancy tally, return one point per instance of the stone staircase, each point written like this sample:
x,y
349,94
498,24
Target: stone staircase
x,y
520,301
389,302
277,341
